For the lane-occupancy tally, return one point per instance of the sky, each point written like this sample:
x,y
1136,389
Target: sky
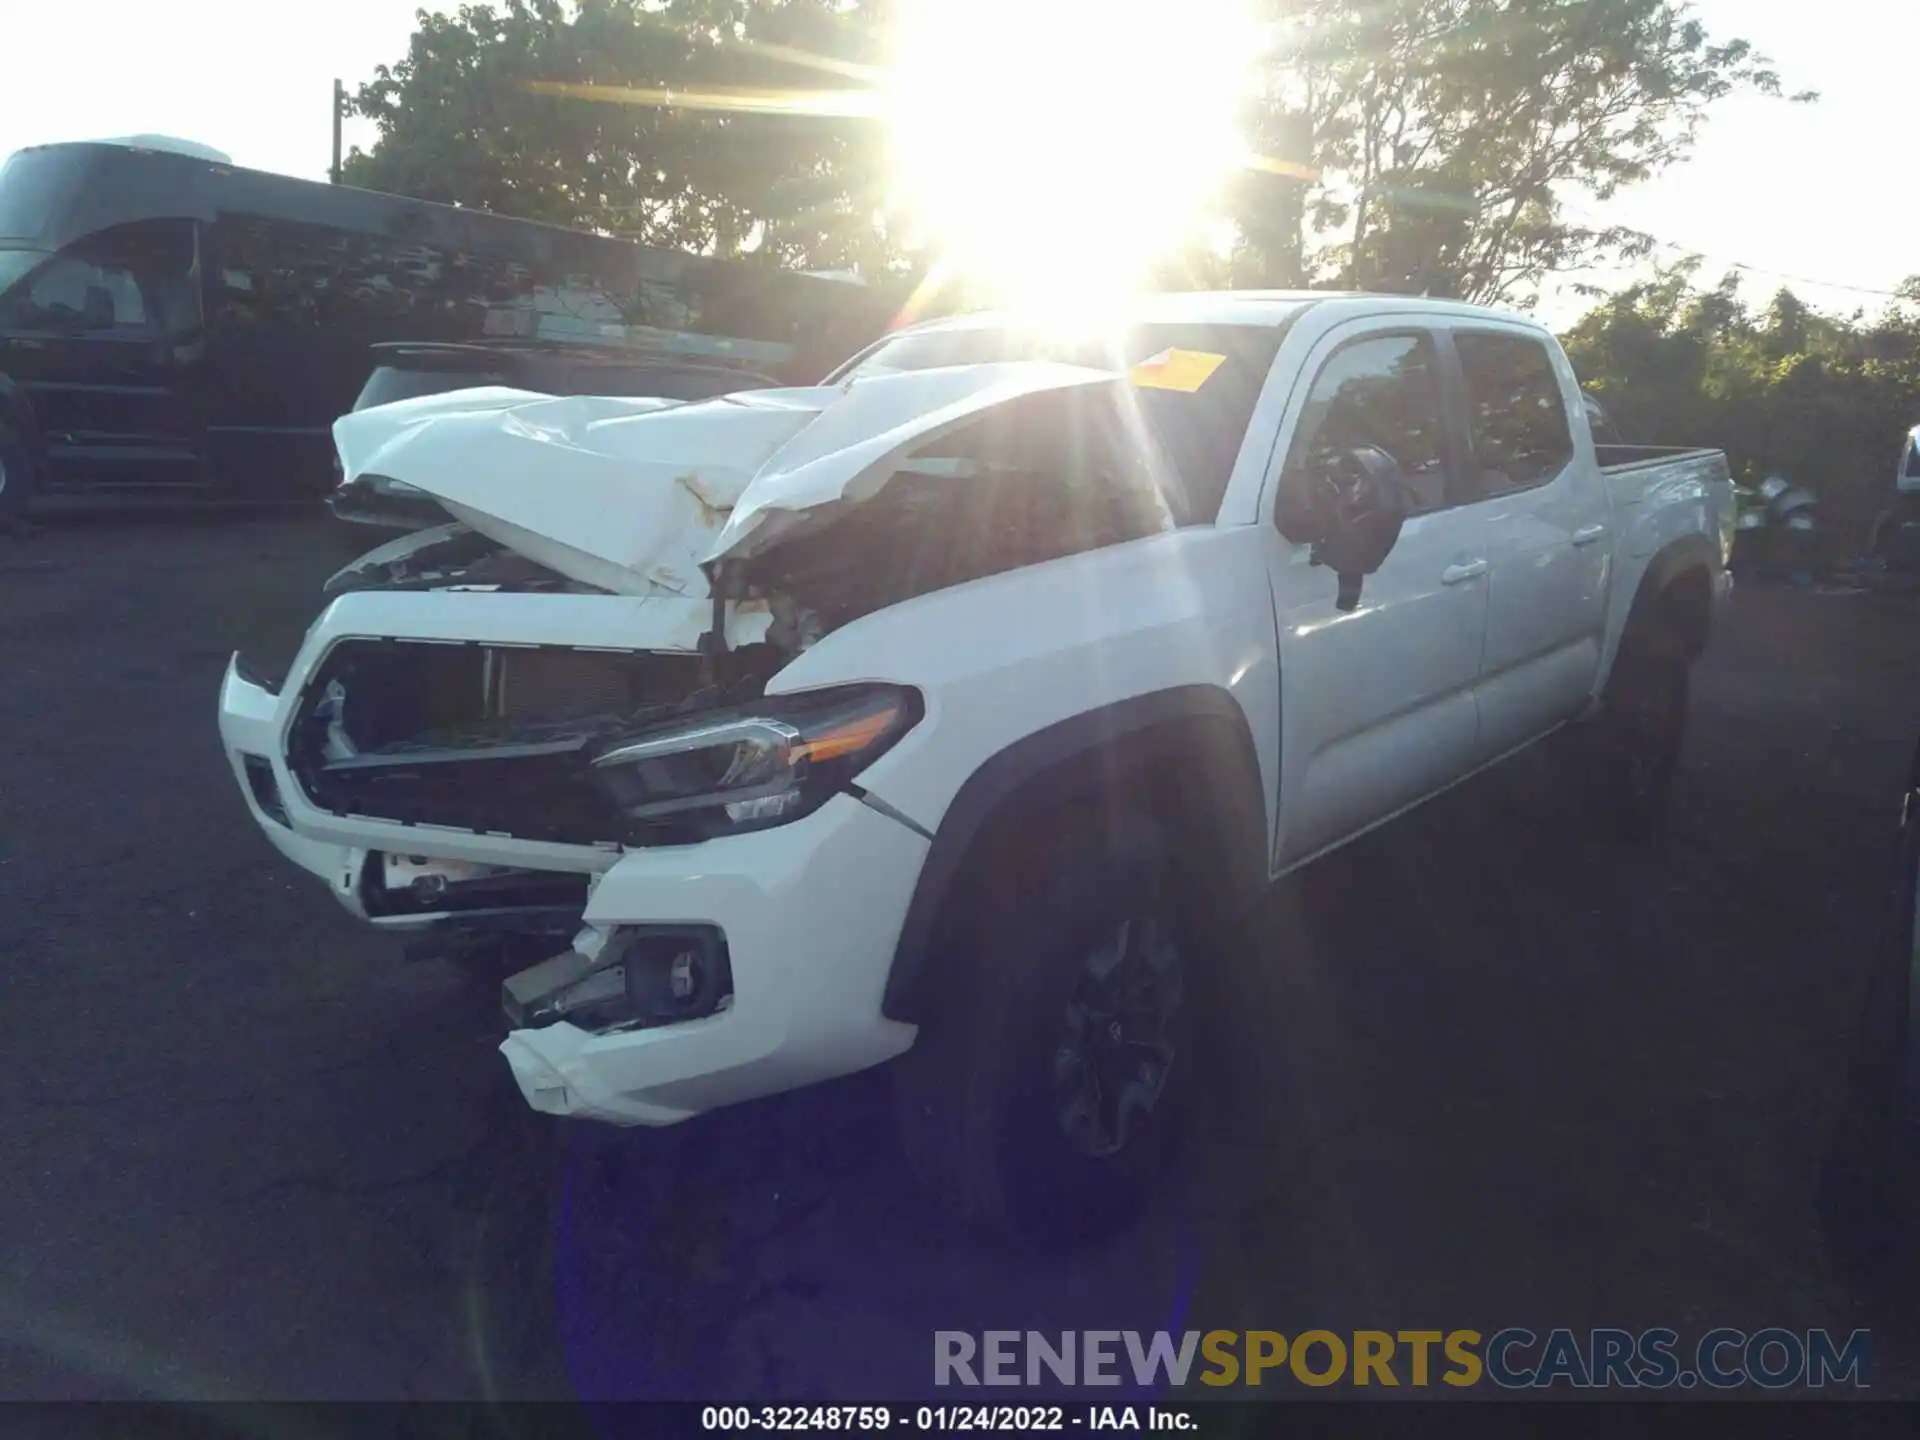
x,y
1823,191
1817,192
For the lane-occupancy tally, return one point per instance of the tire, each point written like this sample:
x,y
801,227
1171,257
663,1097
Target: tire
x,y
1634,743
1000,1105
1869,1199
17,474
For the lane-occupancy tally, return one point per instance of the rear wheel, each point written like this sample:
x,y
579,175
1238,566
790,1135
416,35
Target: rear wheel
x,y
1044,1093
1636,739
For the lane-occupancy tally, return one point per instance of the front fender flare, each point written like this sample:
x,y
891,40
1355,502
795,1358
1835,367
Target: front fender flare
x,y
1116,750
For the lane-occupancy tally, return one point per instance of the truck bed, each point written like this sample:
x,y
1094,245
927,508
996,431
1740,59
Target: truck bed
x,y
1617,459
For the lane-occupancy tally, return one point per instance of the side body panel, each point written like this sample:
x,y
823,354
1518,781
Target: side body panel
x,y
1551,551
111,408
17,413
1380,701
1673,513
1379,708
1006,657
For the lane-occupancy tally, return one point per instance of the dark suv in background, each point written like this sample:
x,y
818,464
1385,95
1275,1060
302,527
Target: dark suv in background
x,y
404,370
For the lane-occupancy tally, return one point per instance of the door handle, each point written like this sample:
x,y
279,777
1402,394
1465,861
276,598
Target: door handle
x,y
1587,534
1460,574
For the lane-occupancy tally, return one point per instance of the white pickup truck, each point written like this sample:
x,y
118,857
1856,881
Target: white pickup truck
x,y
937,714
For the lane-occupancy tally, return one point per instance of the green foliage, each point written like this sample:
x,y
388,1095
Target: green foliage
x,y
462,121
1447,132
1450,132
1825,402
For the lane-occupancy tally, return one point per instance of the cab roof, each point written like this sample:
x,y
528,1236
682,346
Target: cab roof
x,y
1233,307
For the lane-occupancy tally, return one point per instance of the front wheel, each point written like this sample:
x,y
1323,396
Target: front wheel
x,y
1044,1094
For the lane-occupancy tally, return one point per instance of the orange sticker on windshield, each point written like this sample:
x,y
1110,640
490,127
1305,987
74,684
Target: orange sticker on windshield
x,y
1185,370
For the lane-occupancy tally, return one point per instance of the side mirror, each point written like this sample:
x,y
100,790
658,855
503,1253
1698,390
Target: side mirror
x,y
1349,506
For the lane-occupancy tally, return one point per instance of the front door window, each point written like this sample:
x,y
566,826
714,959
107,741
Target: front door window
x,y
134,281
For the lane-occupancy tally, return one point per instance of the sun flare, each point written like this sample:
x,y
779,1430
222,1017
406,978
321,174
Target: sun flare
x,y
1052,149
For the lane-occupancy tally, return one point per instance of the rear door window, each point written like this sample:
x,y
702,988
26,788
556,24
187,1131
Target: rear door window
x,y
1516,410
1605,432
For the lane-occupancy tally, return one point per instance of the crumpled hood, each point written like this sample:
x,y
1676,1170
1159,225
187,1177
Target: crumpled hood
x,y
636,496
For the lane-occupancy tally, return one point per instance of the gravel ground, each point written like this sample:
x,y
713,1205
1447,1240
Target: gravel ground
x,y
1491,1071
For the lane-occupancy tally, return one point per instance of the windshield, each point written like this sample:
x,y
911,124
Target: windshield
x,y
36,189
1198,419
16,263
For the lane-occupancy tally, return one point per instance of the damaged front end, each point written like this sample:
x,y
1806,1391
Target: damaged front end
x,y
737,532
533,748
492,712
642,976
573,748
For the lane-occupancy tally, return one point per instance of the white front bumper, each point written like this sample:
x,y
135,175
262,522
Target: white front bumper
x,y
334,848
811,913
254,721
250,725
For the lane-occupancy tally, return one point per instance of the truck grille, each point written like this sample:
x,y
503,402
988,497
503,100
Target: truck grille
x,y
487,738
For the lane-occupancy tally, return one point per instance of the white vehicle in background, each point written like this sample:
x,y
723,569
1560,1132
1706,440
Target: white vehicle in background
x,y
938,713
1893,541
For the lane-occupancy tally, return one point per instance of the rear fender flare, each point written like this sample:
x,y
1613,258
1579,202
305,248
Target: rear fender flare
x,y
1689,554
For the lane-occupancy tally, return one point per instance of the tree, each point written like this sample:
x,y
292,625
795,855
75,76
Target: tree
x,y
1447,135
1821,400
1450,133
487,110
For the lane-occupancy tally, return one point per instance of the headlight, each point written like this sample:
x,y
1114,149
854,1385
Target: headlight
x,y
765,765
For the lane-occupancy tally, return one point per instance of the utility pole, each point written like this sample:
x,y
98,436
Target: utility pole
x,y
339,112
